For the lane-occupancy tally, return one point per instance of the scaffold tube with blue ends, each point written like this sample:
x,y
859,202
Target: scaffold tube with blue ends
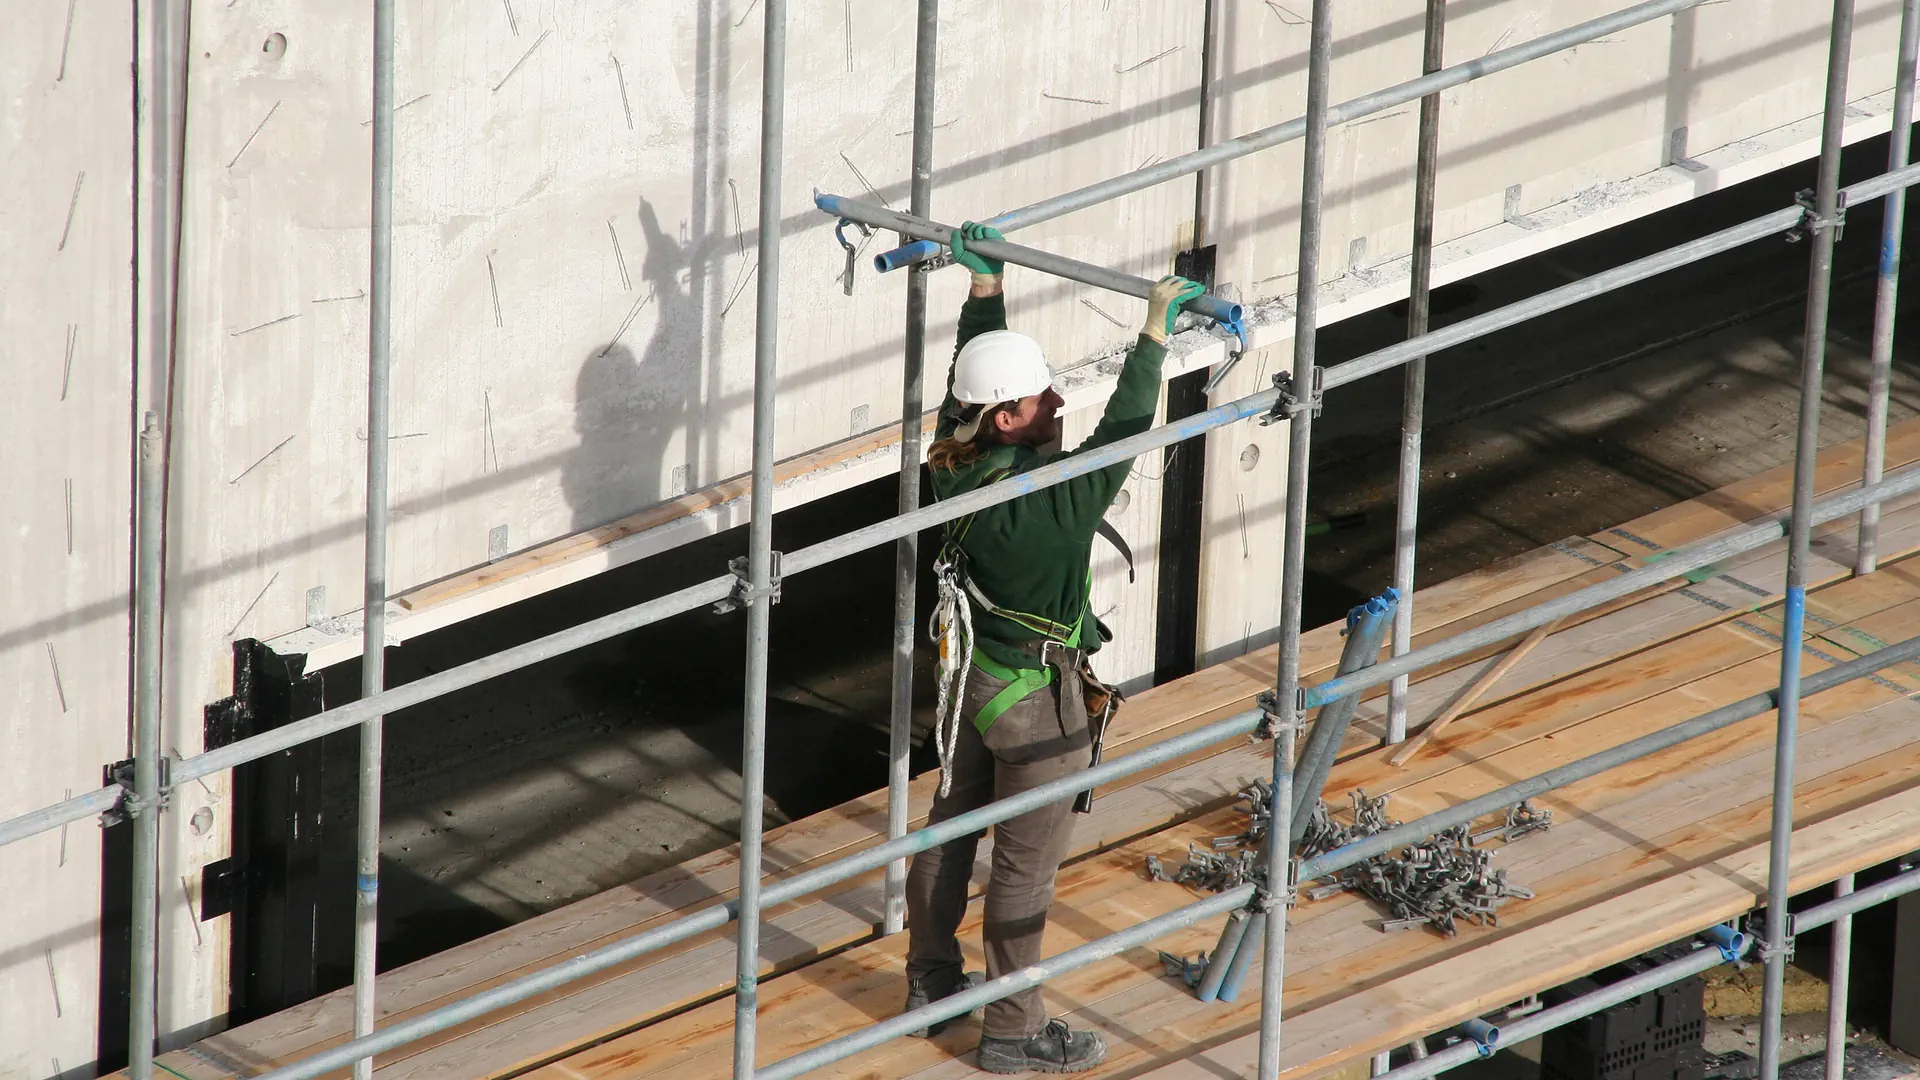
x,y
1367,626
1732,943
1482,1034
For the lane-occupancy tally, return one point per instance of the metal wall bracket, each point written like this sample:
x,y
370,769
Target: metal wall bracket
x,y
1810,220
130,805
743,591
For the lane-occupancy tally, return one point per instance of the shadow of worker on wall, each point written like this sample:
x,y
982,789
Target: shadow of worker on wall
x,y
635,414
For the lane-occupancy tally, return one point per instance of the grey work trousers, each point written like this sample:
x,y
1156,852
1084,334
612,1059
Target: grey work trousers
x,y
1034,742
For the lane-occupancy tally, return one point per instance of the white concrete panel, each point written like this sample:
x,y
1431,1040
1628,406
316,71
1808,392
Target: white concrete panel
x,y
66,243
1563,125
1244,511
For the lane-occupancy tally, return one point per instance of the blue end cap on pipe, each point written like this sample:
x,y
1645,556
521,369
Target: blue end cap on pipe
x,y
1373,609
904,256
1731,943
1485,1035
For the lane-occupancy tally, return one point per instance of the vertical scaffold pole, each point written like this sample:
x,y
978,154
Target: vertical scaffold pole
x,y
161,90
144,807
1293,564
1838,974
753,754
1879,384
906,552
1413,403
1821,224
373,667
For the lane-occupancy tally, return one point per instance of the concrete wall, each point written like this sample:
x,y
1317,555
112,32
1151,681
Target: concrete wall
x,y
574,293
66,164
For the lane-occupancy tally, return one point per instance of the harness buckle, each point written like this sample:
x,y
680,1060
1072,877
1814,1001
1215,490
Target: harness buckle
x,y
743,591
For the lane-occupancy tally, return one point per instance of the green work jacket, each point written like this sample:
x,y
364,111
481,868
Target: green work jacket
x,y
1031,554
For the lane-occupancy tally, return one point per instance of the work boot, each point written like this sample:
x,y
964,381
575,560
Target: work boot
x,y
1054,1049
928,989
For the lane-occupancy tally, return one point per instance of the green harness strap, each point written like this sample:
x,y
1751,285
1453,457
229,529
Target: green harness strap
x,y
1020,681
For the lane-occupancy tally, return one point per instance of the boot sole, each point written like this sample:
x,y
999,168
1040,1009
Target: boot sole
x,y
1009,1068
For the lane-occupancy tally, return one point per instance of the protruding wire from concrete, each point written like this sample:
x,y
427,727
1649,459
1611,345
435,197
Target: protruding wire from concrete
x,y
1221,311
906,551
968,1000
760,568
1286,696
1746,708
373,667
144,806
1467,1050
707,592
1839,971
1365,105
1822,223
1413,392
1887,290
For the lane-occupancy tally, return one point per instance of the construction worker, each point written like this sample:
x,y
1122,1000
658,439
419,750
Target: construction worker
x,y
1015,628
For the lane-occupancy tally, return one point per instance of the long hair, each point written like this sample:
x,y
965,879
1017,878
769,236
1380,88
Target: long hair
x,y
951,454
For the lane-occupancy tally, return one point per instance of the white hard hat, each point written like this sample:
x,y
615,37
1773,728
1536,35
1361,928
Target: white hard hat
x,y
999,365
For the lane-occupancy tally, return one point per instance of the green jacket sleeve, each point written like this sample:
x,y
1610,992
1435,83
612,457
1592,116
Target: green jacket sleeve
x,y
977,316
1080,502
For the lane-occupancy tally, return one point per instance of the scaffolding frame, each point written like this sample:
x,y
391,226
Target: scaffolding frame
x,y
1295,399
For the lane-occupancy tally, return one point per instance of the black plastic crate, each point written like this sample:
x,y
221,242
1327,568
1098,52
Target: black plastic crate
x,y
1655,1036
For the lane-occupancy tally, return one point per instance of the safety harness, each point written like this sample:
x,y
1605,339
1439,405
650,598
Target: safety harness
x,y
951,628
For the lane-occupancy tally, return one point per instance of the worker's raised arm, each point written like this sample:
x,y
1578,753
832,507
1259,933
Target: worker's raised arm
x,y
1080,502
985,308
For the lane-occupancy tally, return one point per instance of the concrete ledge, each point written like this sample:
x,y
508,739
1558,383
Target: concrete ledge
x,y
1270,323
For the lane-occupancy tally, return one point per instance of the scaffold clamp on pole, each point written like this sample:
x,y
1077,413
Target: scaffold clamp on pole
x,y
743,591
130,805
1811,220
1289,403
1731,942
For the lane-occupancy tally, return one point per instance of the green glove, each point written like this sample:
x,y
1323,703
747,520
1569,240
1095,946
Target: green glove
x,y
979,264
1164,301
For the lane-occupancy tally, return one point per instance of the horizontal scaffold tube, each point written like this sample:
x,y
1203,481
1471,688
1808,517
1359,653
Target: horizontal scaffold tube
x,y
697,596
1517,1031
1220,311
1747,708
1674,564
968,1000
779,892
1855,902
1345,112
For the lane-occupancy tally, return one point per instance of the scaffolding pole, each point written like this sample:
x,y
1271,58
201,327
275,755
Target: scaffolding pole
x,y
1467,1050
760,585
906,552
1839,971
707,592
1413,394
1286,704
1887,291
373,667
1822,222
1254,141
143,806
1100,277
